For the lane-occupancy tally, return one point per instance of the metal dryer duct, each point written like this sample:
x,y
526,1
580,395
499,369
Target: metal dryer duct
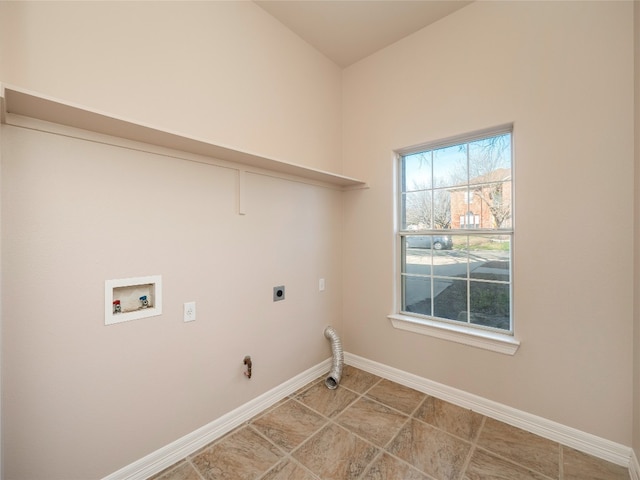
x,y
333,379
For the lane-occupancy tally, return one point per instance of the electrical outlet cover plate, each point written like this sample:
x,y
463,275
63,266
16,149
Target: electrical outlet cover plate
x,y
278,293
189,311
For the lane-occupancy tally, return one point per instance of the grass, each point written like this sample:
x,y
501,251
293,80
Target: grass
x,y
480,243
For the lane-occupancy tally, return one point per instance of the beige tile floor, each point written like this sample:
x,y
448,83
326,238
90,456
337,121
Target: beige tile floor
x,y
371,428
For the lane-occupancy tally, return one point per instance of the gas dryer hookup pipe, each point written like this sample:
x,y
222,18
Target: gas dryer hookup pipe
x,y
333,379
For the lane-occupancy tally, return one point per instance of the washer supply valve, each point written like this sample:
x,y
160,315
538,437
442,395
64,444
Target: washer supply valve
x,y
144,301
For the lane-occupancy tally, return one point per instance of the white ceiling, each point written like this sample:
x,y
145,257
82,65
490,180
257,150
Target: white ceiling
x,y
348,30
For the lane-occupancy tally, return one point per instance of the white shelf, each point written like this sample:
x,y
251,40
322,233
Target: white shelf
x,y
16,101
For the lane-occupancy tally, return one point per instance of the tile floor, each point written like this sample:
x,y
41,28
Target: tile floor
x,y
372,428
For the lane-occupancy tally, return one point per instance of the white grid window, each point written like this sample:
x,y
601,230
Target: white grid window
x,y
448,273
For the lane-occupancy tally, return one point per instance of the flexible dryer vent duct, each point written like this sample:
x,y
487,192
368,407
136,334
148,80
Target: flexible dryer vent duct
x,y
333,379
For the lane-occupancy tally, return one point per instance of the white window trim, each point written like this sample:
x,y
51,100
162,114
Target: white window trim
x,y
505,343
488,340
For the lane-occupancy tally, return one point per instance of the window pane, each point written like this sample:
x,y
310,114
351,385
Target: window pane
x,y
490,257
489,155
450,263
416,259
490,305
441,209
417,210
450,166
447,194
499,202
416,296
416,172
450,299
431,242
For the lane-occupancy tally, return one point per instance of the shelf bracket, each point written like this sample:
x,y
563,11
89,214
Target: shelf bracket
x,y
242,182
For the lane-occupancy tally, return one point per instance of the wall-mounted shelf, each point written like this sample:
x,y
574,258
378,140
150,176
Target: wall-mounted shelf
x,y
15,101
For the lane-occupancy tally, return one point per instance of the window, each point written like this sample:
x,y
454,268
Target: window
x,y
447,273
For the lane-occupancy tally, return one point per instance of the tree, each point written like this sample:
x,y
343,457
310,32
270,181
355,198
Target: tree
x,y
487,170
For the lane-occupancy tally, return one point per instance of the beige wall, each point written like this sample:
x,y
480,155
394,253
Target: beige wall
x,y
563,73
85,399
226,72
90,399
81,400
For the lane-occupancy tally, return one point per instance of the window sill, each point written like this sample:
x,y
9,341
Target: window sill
x,y
496,342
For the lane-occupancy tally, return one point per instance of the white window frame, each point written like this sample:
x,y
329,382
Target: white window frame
x,y
488,339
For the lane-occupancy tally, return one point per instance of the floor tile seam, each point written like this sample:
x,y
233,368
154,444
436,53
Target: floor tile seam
x,y
305,468
166,471
403,461
379,379
420,404
467,458
384,449
333,422
202,477
328,422
258,417
264,437
379,449
304,388
474,447
404,424
269,409
292,460
479,432
379,402
290,452
511,461
359,396
412,413
342,410
216,441
370,464
467,461
383,452
443,430
325,417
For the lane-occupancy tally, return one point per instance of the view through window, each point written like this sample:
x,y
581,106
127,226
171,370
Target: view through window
x,y
456,231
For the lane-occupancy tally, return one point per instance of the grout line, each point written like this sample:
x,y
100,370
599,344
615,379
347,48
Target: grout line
x,y
512,462
333,420
195,468
384,449
472,450
467,461
366,469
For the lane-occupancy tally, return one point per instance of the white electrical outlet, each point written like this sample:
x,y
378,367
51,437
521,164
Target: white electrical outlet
x,y
321,284
189,311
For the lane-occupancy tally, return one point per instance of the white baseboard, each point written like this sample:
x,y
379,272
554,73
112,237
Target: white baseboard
x,y
584,442
174,452
634,466
571,437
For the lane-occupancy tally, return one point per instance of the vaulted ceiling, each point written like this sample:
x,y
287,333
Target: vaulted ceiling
x,y
348,30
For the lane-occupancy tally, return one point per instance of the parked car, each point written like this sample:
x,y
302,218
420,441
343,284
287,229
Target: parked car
x,y
437,242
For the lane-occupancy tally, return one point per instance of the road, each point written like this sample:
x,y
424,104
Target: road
x,y
451,264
